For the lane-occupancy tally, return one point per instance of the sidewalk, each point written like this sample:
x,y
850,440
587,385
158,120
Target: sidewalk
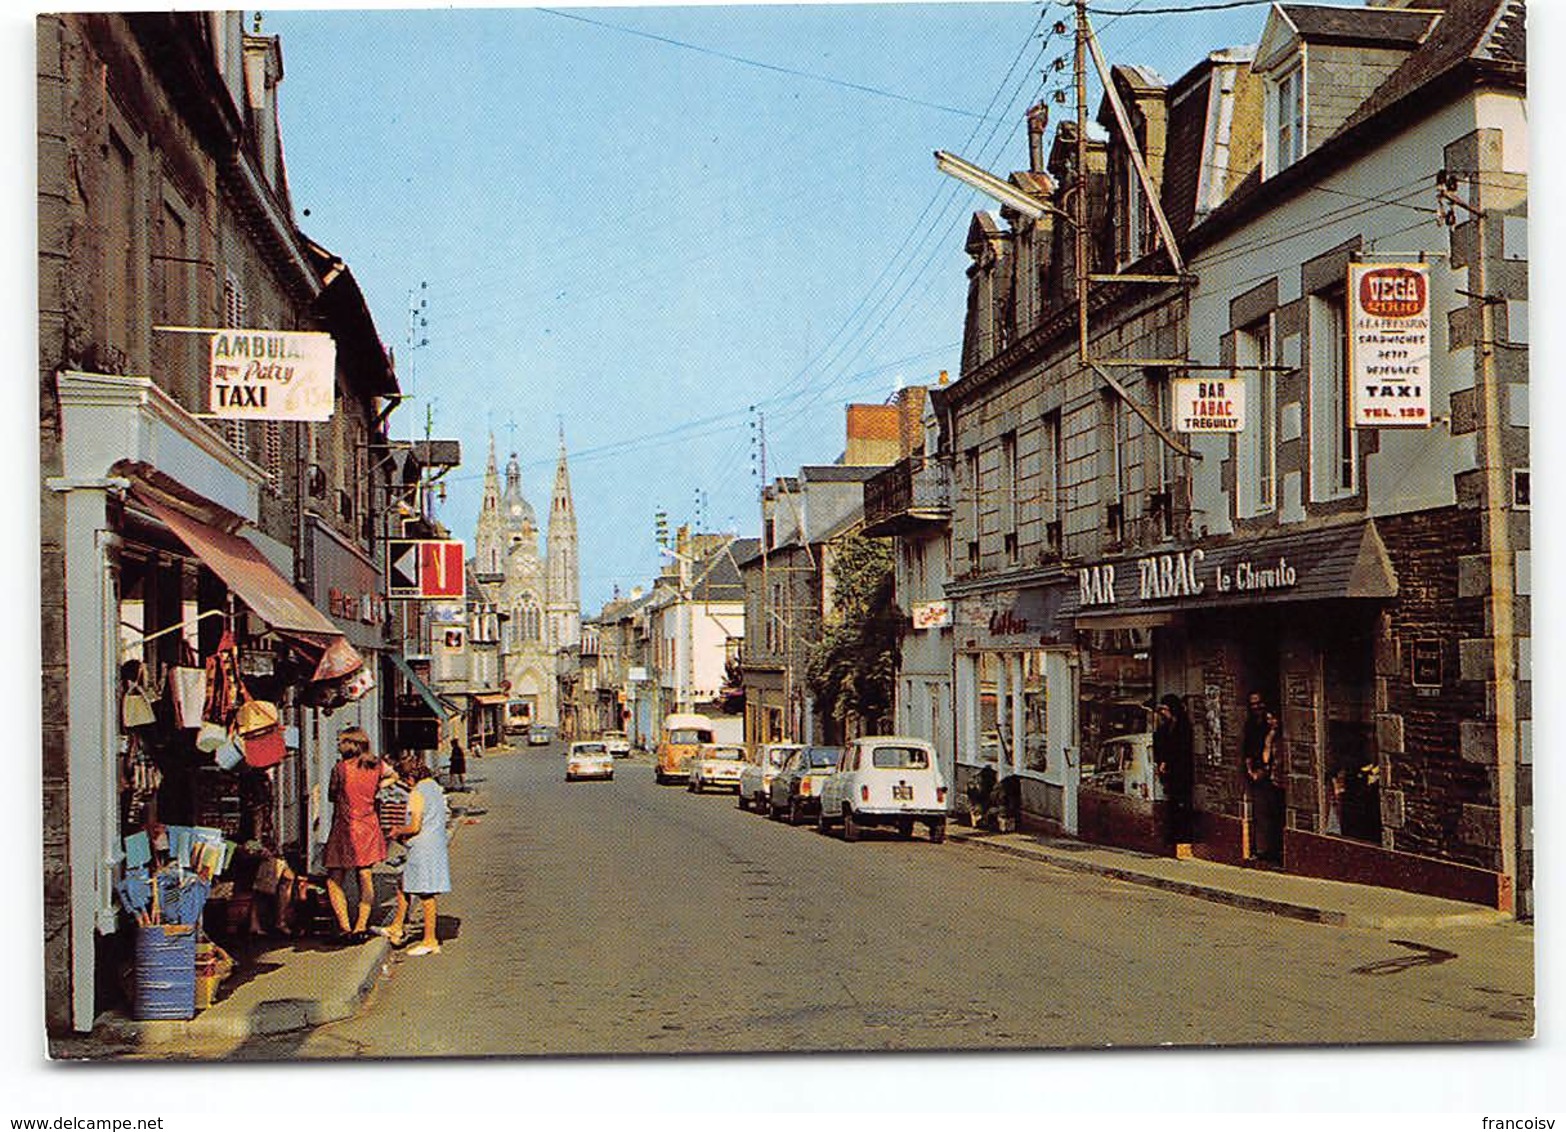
x,y
278,985
1257,889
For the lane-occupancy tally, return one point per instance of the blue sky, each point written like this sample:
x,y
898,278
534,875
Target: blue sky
x,y
639,222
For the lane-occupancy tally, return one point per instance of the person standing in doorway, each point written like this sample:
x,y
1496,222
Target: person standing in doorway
x,y
457,766
1174,758
355,843
1259,748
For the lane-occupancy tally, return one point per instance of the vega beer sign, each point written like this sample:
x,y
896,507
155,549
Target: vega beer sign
x,y
1389,345
271,375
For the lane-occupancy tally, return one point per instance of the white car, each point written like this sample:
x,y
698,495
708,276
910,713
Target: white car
x,y
619,746
589,759
755,784
886,780
715,766
540,735
1125,766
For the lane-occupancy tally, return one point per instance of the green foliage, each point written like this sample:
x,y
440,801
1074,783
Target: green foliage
x,y
853,670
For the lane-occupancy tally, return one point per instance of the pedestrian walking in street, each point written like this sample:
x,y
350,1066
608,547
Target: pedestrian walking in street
x,y
1173,756
355,843
457,767
1259,744
427,872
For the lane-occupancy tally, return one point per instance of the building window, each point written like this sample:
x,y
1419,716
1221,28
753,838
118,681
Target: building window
x,y
1256,471
972,462
1054,476
119,248
1119,452
1160,501
1008,494
1288,119
1334,446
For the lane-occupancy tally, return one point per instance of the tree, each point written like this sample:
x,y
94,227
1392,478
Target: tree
x,y
853,670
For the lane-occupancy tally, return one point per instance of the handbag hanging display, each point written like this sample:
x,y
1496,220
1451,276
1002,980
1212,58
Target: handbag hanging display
x,y
266,749
211,736
231,752
135,707
188,690
255,717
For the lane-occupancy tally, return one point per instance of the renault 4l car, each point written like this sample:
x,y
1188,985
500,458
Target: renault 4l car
x,y
885,780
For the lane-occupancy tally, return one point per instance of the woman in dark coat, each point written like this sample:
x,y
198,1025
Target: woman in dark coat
x,y
1173,756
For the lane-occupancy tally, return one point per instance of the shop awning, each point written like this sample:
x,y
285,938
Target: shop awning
x,y
243,569
1338,563
438,706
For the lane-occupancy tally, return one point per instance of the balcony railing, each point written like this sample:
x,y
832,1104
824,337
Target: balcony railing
x,y
911,493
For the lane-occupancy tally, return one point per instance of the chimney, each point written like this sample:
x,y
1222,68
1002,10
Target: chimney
x,y
1038,121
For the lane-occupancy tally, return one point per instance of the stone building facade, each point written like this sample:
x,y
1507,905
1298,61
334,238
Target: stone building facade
x,y
1100,561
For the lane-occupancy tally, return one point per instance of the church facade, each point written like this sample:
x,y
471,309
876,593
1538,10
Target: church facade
x,y
539,594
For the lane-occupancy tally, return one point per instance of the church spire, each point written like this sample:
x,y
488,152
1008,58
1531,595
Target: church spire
x,y
563,576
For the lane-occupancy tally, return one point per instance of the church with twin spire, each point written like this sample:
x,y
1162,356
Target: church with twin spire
x,y
540,595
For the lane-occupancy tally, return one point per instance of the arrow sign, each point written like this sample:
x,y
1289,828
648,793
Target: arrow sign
x,y
402,568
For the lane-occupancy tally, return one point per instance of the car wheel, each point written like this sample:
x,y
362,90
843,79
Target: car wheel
x,y
938,831
740,800
905,828
851,828
796,812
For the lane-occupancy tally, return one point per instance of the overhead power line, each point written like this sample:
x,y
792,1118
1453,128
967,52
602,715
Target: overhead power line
x,y
759,64
1184,9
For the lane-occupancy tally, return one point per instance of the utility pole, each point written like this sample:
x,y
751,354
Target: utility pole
x,y
1080,202
1498,536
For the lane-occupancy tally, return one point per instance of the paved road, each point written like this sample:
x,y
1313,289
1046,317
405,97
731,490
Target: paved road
x,y
624,917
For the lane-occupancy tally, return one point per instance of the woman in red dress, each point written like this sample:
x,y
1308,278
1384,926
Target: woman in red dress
x,y
355,842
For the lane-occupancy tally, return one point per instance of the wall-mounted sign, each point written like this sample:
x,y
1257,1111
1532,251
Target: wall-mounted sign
x,y
932,614
1427,664
636,674
1389,345
426,569
1181,574
1203,405
272,375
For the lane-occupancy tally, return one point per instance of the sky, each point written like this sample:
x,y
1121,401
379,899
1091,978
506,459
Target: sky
x,y
668,231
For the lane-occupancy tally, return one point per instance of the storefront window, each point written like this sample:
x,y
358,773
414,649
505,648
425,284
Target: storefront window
x,y
989,681
1035,743
1116,686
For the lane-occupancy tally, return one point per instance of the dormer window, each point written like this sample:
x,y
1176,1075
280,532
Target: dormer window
x,y
1286,112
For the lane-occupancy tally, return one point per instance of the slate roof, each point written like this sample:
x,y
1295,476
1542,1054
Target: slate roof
x,y
840,473
1389,27
1487,32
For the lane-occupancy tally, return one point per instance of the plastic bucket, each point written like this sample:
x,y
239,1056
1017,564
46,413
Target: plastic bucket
x,y
165,983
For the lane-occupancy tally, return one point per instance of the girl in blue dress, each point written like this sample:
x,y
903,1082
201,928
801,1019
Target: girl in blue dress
x,y
427,871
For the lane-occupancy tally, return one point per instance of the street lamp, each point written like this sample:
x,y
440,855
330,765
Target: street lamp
x,y
991,185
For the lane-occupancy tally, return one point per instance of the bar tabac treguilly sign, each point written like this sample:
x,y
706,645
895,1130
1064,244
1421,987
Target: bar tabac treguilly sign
x,y
271,375
1389,345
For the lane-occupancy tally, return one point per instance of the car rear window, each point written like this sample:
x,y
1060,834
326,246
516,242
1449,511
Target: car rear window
x,y
690,735
901,758
824,756
734,754
589,749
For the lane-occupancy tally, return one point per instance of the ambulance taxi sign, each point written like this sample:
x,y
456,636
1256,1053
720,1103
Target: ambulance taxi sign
x,y
1209,404
271,375
1389,345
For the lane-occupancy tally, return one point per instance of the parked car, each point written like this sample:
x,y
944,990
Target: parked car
x,y
619,746
796,791
885,780
1125,766
756,776
540,735
589,759
716,766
